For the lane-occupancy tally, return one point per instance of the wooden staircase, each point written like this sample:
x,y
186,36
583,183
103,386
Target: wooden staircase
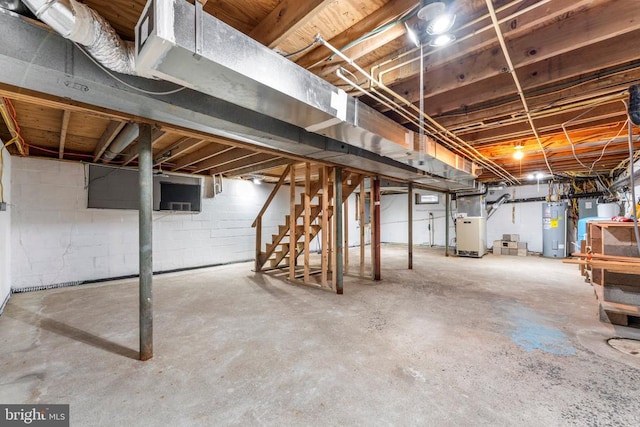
x,y
282,251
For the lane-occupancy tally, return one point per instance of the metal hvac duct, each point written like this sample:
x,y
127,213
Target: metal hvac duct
x,y
177,41
127,135
83,25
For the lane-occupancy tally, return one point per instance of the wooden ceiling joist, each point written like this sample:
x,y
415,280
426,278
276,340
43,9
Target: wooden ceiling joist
x,y
261,167
230,168
222,159
64,127
387,13
211,150
286,19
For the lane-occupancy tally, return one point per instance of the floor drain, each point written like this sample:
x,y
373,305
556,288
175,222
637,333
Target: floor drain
x,y
626,345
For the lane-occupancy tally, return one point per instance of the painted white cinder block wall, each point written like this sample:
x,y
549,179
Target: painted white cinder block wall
x,y
56,239
524,219
393,221
5,229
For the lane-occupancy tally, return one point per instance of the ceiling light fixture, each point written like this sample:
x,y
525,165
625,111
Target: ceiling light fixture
x,y
442,40
439,20
256,181
518,154
441,24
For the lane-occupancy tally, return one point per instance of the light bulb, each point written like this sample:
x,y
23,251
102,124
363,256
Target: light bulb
x,y
518,154
442,40
441,24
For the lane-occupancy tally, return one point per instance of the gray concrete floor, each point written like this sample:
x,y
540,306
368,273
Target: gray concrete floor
x,y
456,341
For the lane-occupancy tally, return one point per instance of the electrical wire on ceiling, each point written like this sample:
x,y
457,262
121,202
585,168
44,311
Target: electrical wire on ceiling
x,y
130,86
457,40
435,130
516,80
302,50
11,121
573,150
402,20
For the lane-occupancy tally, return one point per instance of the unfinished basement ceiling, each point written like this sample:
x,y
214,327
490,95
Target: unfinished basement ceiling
x,y
573,59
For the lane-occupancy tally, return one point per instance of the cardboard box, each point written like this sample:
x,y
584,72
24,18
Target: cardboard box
x,y
513,252
522,245
522,252
497,250
512,245
511,237
504,251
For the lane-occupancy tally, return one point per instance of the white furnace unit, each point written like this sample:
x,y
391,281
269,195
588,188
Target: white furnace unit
x,y
471,236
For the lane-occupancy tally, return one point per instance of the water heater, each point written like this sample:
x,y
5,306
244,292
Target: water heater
x,y
554,229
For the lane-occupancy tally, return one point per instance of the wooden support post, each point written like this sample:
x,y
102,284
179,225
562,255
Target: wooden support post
x,y
410,226
258,265
292,224
361,206
324,178
339,249
307,219
375,221
332,229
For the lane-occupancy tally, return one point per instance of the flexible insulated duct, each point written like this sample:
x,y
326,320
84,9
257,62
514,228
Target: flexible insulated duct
x,y
83,25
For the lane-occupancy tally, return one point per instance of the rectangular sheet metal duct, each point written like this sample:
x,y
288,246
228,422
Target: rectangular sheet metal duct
x,y
176,41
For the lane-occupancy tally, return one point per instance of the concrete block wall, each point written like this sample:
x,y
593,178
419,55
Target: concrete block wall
x,y
524,219
394,223
5,228
56,239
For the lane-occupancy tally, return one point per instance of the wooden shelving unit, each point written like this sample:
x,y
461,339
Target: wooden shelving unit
x,y
616,282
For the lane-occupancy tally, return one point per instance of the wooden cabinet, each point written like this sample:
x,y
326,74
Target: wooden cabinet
x,y
616,283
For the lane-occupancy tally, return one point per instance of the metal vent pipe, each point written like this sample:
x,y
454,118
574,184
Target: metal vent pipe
x,y
127,135
83,25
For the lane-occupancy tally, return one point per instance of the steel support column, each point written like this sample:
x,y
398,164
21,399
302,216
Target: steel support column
x,y
447,214
145,223
376,225
339,238
410,226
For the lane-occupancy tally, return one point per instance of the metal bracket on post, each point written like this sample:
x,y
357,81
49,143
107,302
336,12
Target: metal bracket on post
x,y
199,36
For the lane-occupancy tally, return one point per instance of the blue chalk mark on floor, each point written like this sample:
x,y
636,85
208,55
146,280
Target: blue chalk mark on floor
x,y
532,334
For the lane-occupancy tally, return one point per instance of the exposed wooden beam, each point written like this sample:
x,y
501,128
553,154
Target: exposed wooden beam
x,y
541,100
227,156
277,162
113,128
387,13
364,48
177,149
254,160
476,38
211,150
64,127
285,19
583,38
